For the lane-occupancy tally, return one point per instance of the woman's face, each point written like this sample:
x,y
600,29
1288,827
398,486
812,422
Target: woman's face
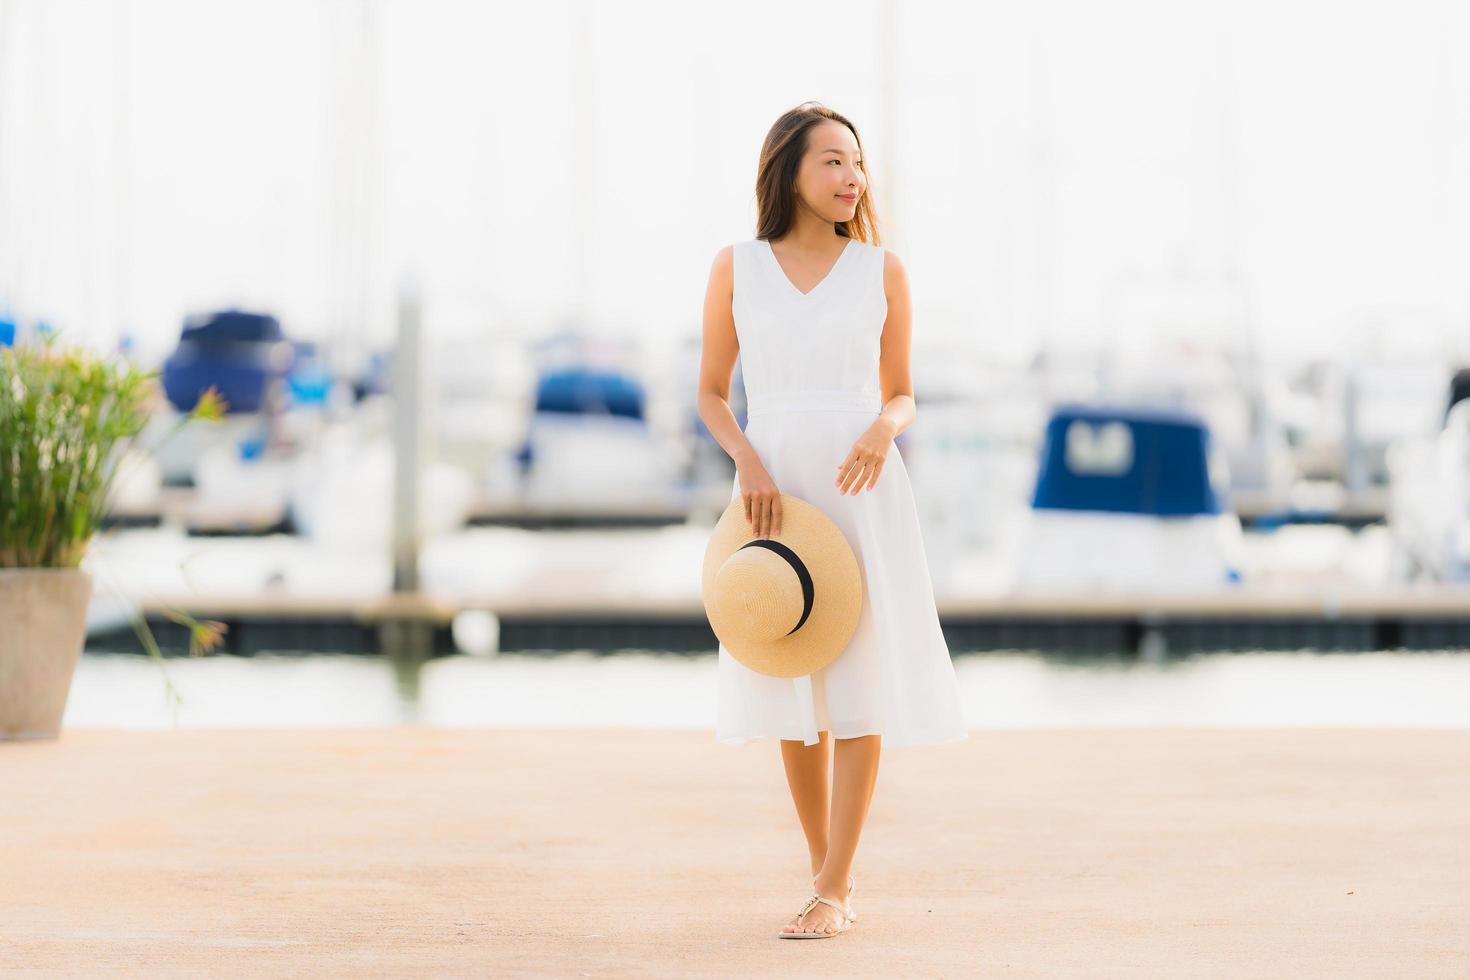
x,y
830,180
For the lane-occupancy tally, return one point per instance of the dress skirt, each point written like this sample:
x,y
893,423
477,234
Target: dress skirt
x,y
895,677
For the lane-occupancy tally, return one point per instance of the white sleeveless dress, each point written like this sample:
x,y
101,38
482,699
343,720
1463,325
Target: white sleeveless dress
x,y
810,366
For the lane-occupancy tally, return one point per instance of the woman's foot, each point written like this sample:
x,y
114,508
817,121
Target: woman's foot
x,y
822,917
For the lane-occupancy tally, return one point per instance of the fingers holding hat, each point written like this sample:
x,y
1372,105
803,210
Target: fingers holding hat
x,y
762,503
763,511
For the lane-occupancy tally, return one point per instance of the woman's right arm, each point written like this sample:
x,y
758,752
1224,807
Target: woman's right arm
x,y
720,347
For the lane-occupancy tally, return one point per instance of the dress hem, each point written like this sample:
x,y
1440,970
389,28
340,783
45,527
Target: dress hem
x,y
736,741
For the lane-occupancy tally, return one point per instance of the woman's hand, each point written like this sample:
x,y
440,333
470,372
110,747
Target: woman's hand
x,y
762,499
861,468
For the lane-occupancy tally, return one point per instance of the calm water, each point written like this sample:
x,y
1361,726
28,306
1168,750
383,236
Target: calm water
x,y
660,690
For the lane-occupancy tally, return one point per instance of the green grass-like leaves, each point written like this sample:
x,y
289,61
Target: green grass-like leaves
x,y
66,415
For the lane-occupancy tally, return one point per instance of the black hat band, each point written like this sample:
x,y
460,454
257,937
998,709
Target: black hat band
x,y
792,559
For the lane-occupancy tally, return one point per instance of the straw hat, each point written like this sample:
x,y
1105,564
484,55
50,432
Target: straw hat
x,y
783,606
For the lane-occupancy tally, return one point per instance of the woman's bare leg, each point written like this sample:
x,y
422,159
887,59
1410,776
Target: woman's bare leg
x,y
855,776
808,773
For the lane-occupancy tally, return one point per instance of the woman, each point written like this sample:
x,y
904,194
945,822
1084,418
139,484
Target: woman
x,y
820,315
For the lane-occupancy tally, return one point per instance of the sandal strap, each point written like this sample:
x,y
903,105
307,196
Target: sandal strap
x,y
812,902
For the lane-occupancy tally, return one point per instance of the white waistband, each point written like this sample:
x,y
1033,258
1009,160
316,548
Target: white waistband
x,y
813,400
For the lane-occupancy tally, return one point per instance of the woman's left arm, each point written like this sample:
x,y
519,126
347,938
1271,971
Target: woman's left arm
x,y
893,365
859,471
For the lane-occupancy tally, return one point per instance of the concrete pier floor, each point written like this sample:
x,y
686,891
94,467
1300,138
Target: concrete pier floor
x,y
416,852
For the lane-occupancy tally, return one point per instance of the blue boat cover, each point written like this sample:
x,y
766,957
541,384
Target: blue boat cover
x,y
1134,460
230,350
584,392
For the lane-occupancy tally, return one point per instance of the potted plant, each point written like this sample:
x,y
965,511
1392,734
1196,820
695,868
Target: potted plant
x,y
66,417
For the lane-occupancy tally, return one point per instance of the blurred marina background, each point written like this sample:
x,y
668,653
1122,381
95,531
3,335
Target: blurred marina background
x,y
1191,344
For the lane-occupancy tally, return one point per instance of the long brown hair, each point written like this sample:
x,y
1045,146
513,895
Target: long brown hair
x,y
775,179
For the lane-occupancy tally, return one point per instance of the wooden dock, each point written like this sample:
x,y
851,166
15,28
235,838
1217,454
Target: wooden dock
x,y
413,852
1364,620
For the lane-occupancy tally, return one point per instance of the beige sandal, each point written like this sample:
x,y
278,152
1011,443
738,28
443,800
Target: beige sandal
x,y
811,903
851,887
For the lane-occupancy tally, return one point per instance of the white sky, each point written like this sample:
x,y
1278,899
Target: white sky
x,y
1044,169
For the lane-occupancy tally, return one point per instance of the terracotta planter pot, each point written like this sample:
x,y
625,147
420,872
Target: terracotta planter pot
x,y
43,627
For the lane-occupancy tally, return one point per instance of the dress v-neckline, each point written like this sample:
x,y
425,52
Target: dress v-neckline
x,y
820,282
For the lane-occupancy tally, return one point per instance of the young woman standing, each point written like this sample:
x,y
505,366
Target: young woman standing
x,y
820,315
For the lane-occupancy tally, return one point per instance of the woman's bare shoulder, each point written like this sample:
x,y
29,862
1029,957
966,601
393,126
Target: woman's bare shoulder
x,y
893,267
890,257
724,259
